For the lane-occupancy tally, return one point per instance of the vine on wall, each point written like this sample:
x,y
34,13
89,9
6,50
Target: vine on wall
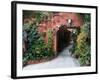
x,y
82,44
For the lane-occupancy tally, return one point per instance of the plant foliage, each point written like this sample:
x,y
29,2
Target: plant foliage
x,y
37,48
82,43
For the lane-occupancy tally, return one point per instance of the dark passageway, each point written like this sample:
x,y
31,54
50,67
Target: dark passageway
x,y
63,38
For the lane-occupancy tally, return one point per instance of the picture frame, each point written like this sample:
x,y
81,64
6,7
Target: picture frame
x,y
19,8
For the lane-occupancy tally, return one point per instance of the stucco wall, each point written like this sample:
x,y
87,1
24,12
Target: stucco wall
x,y
58,20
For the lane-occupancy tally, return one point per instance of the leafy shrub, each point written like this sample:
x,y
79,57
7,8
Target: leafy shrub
x,y
37,48
82,47
74,35
82,43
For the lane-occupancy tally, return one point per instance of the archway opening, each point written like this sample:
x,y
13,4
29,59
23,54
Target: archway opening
x,y
63,38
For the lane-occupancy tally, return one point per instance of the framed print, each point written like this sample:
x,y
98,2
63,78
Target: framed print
x,y
51,39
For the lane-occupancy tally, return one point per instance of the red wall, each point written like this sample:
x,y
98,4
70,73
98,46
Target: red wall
x,y
58,20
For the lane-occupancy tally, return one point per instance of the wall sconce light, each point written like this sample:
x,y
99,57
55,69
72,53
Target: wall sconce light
x,y
69,22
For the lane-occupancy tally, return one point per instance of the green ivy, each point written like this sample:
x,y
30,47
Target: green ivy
x,y
82,43
37,48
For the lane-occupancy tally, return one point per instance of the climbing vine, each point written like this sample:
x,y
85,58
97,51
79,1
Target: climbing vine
x,y
37,49
82,43
33,41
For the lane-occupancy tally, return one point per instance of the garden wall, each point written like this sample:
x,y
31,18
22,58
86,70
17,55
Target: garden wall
x,y
56,21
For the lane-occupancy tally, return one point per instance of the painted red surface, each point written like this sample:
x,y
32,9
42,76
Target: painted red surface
x,y
56,21
61,19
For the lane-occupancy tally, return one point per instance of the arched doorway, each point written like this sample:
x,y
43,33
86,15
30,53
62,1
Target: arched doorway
x,y
63,38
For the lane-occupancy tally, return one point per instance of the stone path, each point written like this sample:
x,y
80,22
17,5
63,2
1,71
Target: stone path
x,y
64,60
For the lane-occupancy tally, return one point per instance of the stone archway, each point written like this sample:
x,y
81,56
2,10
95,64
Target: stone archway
x,y
63,38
